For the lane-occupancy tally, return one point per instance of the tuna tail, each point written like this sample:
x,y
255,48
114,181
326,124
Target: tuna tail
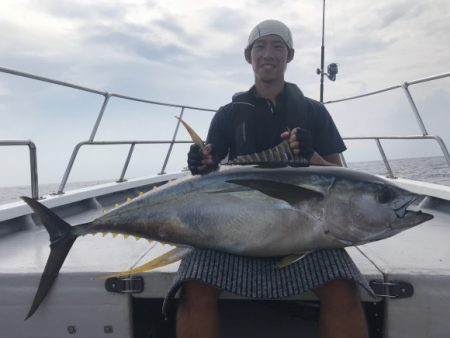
x,y
61,240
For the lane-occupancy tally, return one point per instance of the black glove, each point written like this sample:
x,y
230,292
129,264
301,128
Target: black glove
x,y
195,158
305,143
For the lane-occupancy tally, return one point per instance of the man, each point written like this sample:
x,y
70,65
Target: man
x,y
272,110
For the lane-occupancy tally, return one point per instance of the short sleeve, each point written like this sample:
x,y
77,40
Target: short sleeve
x,y
326,137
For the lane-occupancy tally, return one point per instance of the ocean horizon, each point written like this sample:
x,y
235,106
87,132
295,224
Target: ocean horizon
x,y
427,169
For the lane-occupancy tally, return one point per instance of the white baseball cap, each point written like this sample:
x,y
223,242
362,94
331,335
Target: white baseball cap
x,y
268,27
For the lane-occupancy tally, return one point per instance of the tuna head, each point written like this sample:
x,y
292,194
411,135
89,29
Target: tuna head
x,y
372,211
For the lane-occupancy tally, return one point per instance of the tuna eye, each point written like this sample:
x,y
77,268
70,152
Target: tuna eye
x,y
385,195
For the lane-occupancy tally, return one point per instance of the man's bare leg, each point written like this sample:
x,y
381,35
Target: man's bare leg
x,y
197,312
341,311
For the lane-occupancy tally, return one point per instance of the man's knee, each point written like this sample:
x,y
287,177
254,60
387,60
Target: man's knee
x,y
339,294
198,294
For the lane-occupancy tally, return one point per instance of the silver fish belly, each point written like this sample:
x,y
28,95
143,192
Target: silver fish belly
x,y
268,212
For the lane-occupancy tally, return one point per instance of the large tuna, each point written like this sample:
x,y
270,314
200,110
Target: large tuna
x,y
248,210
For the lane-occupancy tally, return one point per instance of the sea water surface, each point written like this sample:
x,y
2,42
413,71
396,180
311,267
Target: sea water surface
x,y
427,169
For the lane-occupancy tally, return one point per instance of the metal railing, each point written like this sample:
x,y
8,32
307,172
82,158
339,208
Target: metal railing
x,y
425,135
33,162
132,143
107,96
91,141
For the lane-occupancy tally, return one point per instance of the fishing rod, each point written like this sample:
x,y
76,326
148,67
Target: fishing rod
x,y
332,68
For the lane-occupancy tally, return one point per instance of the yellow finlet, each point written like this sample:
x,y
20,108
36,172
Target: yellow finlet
x,y
169,257
288,260
104,211
116,205
114,234
129,199
194,136
137,238
141,193
125,236
104,234
154,187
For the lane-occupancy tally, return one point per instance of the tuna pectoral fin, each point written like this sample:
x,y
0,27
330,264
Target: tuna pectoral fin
x,y
288,260
290,193
61,240
169,257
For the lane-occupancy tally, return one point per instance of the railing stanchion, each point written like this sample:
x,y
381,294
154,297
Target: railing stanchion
x,y
33,162
69,167
414,109
127,162
344,162
99,117
169,151
444,149
33,171
385,160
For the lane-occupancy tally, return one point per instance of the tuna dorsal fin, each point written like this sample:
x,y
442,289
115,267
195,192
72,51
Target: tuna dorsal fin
x,y
293,194
194,136
281,154
169,257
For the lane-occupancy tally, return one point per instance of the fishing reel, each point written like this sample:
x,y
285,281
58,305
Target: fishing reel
x,y
332,70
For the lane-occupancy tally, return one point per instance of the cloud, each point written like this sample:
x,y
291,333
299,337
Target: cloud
x,y
230,20
83,11
389,13
128,43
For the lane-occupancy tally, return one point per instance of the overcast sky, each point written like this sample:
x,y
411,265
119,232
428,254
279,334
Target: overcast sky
x,y
191,52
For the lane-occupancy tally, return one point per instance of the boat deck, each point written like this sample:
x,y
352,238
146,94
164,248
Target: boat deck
x,y
419,256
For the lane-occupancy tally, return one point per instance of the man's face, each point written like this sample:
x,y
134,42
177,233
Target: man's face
x,y
269,56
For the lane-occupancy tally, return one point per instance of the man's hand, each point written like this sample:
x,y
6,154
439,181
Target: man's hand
x,y
300,141
202,161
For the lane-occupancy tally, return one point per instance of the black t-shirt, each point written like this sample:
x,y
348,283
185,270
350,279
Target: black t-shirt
x,y
252,124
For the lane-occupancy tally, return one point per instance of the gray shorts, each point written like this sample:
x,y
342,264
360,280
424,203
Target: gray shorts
x,y
257,277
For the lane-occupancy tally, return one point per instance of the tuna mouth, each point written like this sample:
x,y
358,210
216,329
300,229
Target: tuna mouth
x,y
401,211
410,219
